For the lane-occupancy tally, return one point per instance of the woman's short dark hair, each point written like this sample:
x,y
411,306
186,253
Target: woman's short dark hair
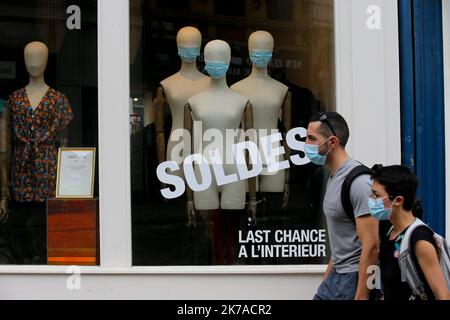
x,y
399,181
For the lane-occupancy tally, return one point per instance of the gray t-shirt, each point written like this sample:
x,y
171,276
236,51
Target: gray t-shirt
x,y
344,241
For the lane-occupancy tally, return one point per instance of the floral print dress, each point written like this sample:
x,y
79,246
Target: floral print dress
x,y
35,141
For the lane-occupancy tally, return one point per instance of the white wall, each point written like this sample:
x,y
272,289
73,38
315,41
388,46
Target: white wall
x,y
368,81
243,287
367,94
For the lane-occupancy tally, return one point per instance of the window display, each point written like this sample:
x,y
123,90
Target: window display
x,y
48,99
227,95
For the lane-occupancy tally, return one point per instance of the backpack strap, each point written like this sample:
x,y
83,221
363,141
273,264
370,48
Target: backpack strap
x,y
444,256
346,187
407,237
408,270
390,231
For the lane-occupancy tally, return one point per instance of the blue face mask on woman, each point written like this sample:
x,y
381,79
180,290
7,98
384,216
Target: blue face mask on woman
x,y
312,152
377,210
188,55
217,70
261,58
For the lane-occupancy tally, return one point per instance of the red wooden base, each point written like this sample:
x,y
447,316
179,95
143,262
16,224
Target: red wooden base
x,y
73,232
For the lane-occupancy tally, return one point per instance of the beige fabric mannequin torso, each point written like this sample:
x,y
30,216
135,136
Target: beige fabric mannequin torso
x,y
176,91
220,108
267,97
178,88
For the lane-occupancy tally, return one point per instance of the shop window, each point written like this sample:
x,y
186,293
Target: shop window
x,y
230,8
280,10
48,92
197,217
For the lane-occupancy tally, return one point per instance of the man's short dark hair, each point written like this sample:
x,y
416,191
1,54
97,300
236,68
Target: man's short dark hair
x,y
398,181
339,125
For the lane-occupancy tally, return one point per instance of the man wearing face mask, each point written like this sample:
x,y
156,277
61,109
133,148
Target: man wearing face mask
x,y
353,243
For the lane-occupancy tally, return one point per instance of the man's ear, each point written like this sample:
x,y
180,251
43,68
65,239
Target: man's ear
x,y
335,141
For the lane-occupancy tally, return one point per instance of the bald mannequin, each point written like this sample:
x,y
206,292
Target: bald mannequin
x,y
222,109
174,92
269,99
36,58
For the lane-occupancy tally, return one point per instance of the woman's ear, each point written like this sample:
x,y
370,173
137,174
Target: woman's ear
x,y
399,201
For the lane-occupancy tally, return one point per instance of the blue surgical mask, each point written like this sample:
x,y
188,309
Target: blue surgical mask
x,y
261,58
217,70
188,55
312,152
377,210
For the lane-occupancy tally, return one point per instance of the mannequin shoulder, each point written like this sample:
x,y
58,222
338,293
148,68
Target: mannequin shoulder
x,y
176,80
250,85
240,98
57,94
240,86
170,81
199,98
16,94
279,86
204,80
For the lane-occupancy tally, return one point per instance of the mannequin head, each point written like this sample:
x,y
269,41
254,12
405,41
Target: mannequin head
x,y
260,45
218,51
217,58
189,41
36,58
260,40
189,37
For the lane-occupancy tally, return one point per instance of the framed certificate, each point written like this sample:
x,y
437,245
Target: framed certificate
x,y
76,171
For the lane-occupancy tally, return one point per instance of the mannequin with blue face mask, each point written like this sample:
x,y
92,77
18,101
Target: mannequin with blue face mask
x,y
173,93
269,98
188,54
221,109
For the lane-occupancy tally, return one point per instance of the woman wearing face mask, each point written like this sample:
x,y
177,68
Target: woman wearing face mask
x,y
393,198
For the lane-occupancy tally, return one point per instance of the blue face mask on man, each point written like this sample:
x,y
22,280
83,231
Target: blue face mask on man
x,y
261,58
217,70
378,211
188,55
312,152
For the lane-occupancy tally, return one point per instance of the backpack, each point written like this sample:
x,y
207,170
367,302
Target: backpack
x,y
360,170
408,270
346,186
345,195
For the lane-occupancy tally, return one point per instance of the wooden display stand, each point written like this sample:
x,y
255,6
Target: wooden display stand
x,y
73,232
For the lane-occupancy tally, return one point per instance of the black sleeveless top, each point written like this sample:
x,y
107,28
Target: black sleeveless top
x,y
393,287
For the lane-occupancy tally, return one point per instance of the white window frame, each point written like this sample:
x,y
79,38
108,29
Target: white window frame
x,y
446,39
367,94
